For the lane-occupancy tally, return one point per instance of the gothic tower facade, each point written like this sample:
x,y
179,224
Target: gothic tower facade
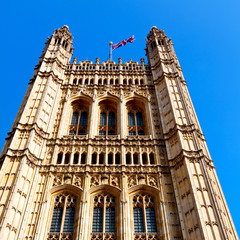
x,y
109,151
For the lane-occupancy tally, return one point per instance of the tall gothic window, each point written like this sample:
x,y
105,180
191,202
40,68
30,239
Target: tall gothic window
x,y
63,217
79,120
103,222
107,121
144,217
135,118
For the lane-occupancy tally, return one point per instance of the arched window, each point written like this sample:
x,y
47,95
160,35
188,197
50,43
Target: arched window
x,y
63,216
144,158
128,158
151,156
136,124
104,215
107,122
144,215
75,158
110,158
117,158
135,158
83,158
79,118
101,158
59,158
67,158
94,158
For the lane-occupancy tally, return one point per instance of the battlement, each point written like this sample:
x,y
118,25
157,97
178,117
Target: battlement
x,y
109,65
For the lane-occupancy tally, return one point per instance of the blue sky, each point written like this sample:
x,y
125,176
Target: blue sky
x,y
206,37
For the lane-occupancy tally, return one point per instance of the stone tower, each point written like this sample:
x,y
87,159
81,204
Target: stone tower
x,y
104,151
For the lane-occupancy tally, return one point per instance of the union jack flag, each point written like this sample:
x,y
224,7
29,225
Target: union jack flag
x,y
123,43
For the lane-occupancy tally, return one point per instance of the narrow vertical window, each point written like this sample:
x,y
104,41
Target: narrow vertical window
x,y
110,220
138,220
67,157
151,156
94,158
103,119
83,119
107,122
131,121
151,220
103,217
135,158
79,118
144,158
139,119
128,158
75,158
75,118
56,219
111,119
144,216
69,220
101,158
63,217
97,219
110,158
59,159
83,158
117,158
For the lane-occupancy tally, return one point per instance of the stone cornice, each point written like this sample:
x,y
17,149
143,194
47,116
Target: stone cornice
x,y
29,127
122,169
190,128
104,140
194,156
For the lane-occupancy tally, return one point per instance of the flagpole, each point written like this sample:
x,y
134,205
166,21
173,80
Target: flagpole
x,y
110,54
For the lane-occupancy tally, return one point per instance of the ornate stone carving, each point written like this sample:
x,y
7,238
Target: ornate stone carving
x,y
142,179
105,179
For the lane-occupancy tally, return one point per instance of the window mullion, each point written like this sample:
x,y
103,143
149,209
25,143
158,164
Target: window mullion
x,y
107,122
104,215
79,117
144,218
63,216
135,121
